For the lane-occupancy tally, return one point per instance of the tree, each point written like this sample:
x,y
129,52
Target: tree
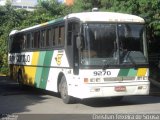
x,y
10,19
148,9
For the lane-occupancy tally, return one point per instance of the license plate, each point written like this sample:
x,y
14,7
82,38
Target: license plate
x,y
120,88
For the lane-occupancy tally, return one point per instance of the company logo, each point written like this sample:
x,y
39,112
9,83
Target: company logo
x,y
58,59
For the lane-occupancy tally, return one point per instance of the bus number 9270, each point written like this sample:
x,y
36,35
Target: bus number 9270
x,y
102,73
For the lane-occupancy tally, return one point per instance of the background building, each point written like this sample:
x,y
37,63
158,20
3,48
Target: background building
x,y
26,4
69,2
30,4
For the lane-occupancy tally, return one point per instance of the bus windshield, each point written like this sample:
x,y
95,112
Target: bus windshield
x,y
113,44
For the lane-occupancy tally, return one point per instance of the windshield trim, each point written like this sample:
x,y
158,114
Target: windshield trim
x,y
119,63
125,66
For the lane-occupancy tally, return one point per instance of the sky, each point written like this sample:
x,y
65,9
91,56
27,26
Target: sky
x,y
2,2
60,0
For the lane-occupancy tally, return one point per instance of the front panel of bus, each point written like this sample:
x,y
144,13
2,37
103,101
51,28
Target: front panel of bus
x,y
113,59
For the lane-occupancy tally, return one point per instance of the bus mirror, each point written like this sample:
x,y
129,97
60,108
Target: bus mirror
x,y
78,41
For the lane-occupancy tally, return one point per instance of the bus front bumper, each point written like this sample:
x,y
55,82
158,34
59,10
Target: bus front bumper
x,y
110,90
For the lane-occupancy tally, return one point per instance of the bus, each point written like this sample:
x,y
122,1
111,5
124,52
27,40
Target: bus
x,y
83,55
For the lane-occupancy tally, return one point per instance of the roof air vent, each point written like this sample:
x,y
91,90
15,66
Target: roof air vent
x,y
95,10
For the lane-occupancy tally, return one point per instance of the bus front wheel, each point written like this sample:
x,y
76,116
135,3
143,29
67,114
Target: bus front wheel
x,y
64,91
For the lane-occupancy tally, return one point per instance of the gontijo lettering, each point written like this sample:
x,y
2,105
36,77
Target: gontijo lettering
x,y
19,58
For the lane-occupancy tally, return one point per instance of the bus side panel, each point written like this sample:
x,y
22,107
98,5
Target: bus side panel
x,y
30,70
46,69
13,71
59,64
40,69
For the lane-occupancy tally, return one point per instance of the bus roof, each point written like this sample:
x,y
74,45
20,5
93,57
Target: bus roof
x,y
43,24
36,26
90,17
105,17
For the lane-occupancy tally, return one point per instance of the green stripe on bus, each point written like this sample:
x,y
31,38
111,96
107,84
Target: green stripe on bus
x,y
39,70
56,20
132,72
45,72
123,72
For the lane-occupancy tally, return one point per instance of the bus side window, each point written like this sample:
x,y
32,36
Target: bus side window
x,y
42,42
28,40
23,41
36,39
61,35
32,40
10,43
48,37
56,36
53,36
17,43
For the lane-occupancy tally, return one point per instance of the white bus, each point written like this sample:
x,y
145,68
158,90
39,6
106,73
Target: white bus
x,y
83,55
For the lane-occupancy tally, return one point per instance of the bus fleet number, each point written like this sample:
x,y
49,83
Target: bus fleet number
x,y
102,73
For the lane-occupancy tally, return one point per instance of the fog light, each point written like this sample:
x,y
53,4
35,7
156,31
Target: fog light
x,y
98,80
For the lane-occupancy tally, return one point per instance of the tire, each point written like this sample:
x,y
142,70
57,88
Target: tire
x,y
63,89
20,78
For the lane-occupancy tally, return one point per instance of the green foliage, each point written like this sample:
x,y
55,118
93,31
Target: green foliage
x,y
11,19
148,9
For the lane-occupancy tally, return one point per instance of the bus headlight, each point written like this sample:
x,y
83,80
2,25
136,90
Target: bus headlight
x,y
92,80
145,78
95,80
98,80
139,78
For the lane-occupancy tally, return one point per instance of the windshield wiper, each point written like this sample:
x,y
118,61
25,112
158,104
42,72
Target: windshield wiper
x,y
130,58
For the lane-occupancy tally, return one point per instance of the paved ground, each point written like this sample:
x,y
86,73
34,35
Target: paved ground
x,y
42,104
